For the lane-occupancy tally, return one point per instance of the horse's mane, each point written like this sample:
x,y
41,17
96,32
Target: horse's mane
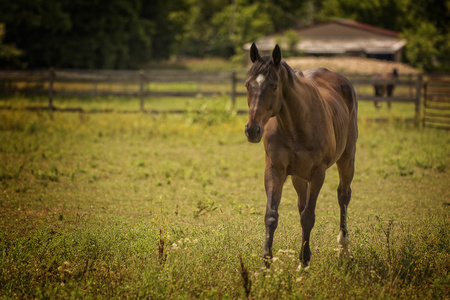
x,y
261,66
264,65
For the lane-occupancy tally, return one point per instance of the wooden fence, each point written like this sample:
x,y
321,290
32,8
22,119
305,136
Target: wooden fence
x,y
119,83
436,109
408,88
147,84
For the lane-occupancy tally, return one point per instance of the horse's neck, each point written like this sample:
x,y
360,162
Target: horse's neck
x,y
301,103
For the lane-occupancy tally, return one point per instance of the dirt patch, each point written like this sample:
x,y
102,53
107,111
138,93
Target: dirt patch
x,y
350,65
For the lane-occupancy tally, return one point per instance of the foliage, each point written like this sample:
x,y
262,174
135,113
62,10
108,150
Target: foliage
x,y
132,34
7,52
289,41
386,13
427,48
167,19
221,27
78,34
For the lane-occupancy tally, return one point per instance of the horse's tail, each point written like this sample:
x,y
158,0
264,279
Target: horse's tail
x,y
349,95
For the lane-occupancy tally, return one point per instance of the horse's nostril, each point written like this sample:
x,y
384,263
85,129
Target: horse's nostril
x,y
253,132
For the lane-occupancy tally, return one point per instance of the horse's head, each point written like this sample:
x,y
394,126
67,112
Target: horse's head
x,y
263,97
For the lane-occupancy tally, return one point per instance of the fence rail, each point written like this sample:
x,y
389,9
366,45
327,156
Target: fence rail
x,y
119,83
436,109
408,89
144,84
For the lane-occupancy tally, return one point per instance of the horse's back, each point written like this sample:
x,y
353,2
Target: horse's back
x,y
326,79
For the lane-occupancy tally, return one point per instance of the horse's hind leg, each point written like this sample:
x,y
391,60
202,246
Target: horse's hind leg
x,y
308,193
379,93
346,168
301,187
390,91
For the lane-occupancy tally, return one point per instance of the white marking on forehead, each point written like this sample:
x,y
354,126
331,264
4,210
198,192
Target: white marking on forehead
x,y
260,79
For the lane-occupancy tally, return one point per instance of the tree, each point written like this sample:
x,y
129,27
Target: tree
x,y
102,33
199,36
382,13
8,53
78,33
242,22
426,46
132,33
30,25
168,18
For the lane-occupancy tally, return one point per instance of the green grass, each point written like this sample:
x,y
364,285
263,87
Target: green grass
x,y
167,206
161,104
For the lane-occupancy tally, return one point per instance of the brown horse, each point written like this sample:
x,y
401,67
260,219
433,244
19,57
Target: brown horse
x,y
384,84
307,121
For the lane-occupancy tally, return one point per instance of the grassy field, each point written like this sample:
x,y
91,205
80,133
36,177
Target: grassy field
x,y
172,206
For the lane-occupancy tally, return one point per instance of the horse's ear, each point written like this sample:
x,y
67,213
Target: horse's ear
x,y
276,55
254,54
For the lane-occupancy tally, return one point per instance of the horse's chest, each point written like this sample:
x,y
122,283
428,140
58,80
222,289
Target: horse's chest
x,y
301,158
297,155
306,157
300,165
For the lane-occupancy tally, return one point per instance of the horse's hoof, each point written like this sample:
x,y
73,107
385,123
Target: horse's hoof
x,y
343,253
302,268
343,241
267,261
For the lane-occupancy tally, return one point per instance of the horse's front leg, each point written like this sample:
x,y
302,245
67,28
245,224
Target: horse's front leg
x,y
273,182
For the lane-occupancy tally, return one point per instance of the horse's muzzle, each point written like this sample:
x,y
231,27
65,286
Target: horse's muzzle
x,y
254,133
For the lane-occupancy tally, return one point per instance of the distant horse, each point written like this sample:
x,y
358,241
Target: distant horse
x,y
307,121
381,88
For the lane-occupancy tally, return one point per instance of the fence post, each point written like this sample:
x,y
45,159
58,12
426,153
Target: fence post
x,y
95,83
233,89
51,79
418,98
410,85
425,86
141,88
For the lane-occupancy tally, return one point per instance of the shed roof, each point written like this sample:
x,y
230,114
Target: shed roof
x,y
342,27
340,36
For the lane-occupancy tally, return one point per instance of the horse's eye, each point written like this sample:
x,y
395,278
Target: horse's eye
x,y
274,87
